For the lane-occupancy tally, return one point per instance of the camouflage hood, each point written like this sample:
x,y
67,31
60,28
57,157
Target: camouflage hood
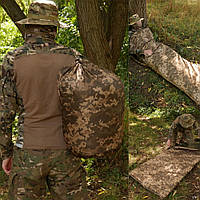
x,y
42,12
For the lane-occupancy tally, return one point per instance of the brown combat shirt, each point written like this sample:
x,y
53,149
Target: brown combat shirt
x,y
11,101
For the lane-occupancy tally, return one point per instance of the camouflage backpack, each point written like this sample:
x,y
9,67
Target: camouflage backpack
x,y
93,108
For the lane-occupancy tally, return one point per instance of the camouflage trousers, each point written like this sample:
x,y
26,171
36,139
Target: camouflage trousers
x,y
35,170
185,136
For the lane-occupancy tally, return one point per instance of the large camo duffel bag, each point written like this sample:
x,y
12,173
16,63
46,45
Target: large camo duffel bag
x,y
93,108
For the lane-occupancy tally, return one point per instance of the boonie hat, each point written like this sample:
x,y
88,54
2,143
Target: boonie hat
x,y
186,120
42,12
134,19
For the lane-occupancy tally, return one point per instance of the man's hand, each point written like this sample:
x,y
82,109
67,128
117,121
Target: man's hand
x,y
6,165
168,144
148,52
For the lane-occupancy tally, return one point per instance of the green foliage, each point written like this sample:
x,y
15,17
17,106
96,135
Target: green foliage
x,y
69,36
122,66
88,163
62,3
177,25
3,15
10,38
24,4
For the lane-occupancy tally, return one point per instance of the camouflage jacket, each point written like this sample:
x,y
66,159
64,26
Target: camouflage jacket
x,y
176,127
11,103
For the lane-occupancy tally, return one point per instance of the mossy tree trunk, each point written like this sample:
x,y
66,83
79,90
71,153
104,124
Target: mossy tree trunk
x,y
102,27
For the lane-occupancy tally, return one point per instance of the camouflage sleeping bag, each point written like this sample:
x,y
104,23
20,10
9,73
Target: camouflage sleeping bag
x,y
93,108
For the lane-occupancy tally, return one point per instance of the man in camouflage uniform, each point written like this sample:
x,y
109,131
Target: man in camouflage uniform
x,y
29,90
146,51
181,131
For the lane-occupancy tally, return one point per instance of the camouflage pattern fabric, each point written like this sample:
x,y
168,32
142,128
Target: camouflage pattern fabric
x,y
43,12
20,134
93,108
166,62
12,106
11,103
34,35
186,120
178,134
161,174
32,169
60,169
134,19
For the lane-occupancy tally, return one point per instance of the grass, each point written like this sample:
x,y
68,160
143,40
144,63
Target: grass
x,y
146,138
155,103
108,178
176,24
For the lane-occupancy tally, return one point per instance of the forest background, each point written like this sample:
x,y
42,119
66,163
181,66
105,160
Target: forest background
x,y
153,103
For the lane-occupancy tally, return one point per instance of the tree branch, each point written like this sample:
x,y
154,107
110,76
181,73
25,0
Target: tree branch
x,y
14,12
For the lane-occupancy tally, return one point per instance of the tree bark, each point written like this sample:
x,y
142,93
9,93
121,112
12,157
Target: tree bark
x,y
115,24
14,12
167,63
102,35
118,25
138,7
92,33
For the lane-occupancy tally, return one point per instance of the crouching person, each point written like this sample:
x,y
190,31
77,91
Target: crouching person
x,y
182,131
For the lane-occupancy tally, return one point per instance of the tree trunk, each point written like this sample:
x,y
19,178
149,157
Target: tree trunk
x,y
115,17
14,12
102,35
92,34
166,62
118,25
138,7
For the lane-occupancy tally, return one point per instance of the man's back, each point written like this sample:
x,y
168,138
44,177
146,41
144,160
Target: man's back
x,y
36,83
29,90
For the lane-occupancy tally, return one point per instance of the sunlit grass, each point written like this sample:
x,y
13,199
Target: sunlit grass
x,y
176,24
